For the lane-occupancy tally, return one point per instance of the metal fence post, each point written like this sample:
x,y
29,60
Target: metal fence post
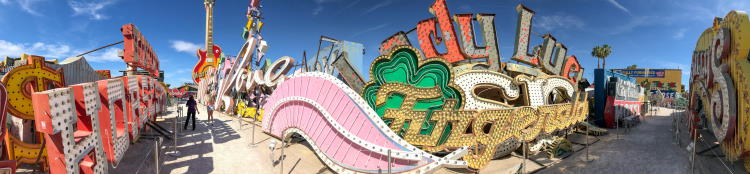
x,y
389,161
252,132
156,155
174,152
525,148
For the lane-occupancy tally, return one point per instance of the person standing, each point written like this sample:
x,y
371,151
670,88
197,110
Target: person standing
x,y
192,109
210,111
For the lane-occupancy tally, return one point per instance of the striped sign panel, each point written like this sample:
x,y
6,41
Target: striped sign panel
x,y
342,129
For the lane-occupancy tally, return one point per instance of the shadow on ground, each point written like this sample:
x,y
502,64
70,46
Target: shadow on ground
x,y
193,146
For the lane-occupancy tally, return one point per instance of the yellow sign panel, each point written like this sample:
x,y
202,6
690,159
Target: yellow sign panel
x,y
719,74
23,80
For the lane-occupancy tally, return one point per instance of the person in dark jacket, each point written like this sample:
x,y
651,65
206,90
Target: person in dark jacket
x,y
192,109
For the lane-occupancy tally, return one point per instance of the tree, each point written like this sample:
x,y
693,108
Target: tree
x,y
601,52
595,53
633,66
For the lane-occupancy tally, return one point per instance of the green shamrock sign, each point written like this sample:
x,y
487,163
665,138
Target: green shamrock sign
x,y
405,66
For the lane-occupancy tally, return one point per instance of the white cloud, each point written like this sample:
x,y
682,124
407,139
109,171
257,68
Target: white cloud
x,y
355,2
109,55
10,49
724,6
55,51
184,46
52,50
378,27
559,21
42,49
317,10
619,6
5,2
701,10
634,23
679,34
377,6
90,8
27,5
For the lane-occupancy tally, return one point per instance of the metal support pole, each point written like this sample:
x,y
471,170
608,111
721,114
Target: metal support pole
x,y
252,140
239,117
272,147
281,161
239,121
677,126
587,141
156,155
174,152
256,100
180,116
97,49
692,161
617,127
588,158
693,134
389,161
525,148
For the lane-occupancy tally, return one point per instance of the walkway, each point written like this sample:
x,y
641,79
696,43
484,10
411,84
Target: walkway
x,y
649,147
224,148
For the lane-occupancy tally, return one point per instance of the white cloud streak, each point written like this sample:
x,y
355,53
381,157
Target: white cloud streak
x,y
90,8
378,27
355,2
28,6
637,21
619,6
184,46
559,21
319,8
377,6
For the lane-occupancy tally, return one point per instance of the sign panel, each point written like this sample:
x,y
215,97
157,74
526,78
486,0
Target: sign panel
x,y
719,83
348,73
648,73
137,51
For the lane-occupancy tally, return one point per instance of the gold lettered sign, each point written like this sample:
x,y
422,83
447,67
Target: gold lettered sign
x,y
720,74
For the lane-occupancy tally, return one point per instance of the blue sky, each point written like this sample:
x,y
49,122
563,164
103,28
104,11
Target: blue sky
x,y
654,34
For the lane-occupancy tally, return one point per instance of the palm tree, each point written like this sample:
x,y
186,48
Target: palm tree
x,y
595,53
601,52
